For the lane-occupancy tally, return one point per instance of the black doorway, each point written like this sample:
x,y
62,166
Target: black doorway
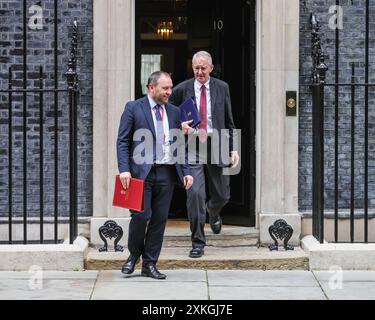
x,y
227,30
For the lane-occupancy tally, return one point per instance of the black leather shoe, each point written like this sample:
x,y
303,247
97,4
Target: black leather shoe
x,y
129,264
216,225
151,271
196,252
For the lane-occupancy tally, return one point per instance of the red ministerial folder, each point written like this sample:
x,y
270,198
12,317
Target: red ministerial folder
x,y
131,198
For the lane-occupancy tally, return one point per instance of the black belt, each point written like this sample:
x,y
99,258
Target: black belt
x,y
159,165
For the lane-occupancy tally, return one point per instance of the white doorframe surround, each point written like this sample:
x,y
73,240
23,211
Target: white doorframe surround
x,y
276,135
258,137
113,86
114,65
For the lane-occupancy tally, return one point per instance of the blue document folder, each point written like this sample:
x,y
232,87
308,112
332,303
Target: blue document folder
x,y
189,111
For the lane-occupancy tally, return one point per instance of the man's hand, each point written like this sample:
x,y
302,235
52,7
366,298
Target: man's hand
x,y
234,159
186,129
188,181
125,179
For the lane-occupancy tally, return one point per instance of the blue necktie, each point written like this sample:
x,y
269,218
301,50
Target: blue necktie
x,y
159,133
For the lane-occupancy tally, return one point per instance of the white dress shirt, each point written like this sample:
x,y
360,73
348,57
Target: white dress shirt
x,y
167,158
197,89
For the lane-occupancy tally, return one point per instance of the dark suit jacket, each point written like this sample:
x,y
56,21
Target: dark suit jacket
x,y
221,109
137,115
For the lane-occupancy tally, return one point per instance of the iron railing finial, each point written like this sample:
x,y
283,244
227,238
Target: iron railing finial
x,y
319,68
71,74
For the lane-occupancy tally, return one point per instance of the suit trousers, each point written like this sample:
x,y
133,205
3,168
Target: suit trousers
x,y
219,194
146,229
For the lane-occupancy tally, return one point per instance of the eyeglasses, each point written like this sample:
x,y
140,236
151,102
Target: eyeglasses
x,y
203,69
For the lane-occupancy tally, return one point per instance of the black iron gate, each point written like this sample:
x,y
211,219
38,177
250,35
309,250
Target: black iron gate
x,y
40,94
358,201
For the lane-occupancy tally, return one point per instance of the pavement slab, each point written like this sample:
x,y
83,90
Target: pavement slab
x,y
349,290
150,290
188,284
179,285
265,293
55,275
345,275
172,276
22,289
257,278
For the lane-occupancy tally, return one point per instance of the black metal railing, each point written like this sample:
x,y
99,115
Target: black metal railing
x,y
69,93
319,106
318,78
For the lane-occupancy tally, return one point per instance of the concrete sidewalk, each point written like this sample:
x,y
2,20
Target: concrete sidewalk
x,y
188,285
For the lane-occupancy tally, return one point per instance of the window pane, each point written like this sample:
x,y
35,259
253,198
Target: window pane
x,y
149,64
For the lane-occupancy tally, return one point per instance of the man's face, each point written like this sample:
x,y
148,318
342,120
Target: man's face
x,y
202,69
161,91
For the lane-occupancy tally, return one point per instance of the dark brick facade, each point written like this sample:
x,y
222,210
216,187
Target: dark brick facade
x,y
40,52
352,49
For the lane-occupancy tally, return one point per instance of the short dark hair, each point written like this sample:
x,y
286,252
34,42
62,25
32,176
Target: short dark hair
x,y
155,76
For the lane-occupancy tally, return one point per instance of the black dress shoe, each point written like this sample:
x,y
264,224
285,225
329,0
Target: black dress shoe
x,y
129,264
151,271
196,252
216,225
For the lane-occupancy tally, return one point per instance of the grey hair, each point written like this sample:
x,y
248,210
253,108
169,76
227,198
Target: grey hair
x,y
155,76
203,54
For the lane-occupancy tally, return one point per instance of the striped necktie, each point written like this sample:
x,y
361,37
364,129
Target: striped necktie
x,y
159,132
203,115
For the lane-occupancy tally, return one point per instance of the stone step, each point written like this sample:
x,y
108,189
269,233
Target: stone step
x,y
220,243
214,258
178,234
234,248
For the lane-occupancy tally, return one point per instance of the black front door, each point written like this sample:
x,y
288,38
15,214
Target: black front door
x,y
234,27
226,29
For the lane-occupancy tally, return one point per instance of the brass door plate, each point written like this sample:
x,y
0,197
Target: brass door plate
x,y
291,103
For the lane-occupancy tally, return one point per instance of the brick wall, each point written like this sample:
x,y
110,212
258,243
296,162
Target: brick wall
x,y
40,51
352,49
